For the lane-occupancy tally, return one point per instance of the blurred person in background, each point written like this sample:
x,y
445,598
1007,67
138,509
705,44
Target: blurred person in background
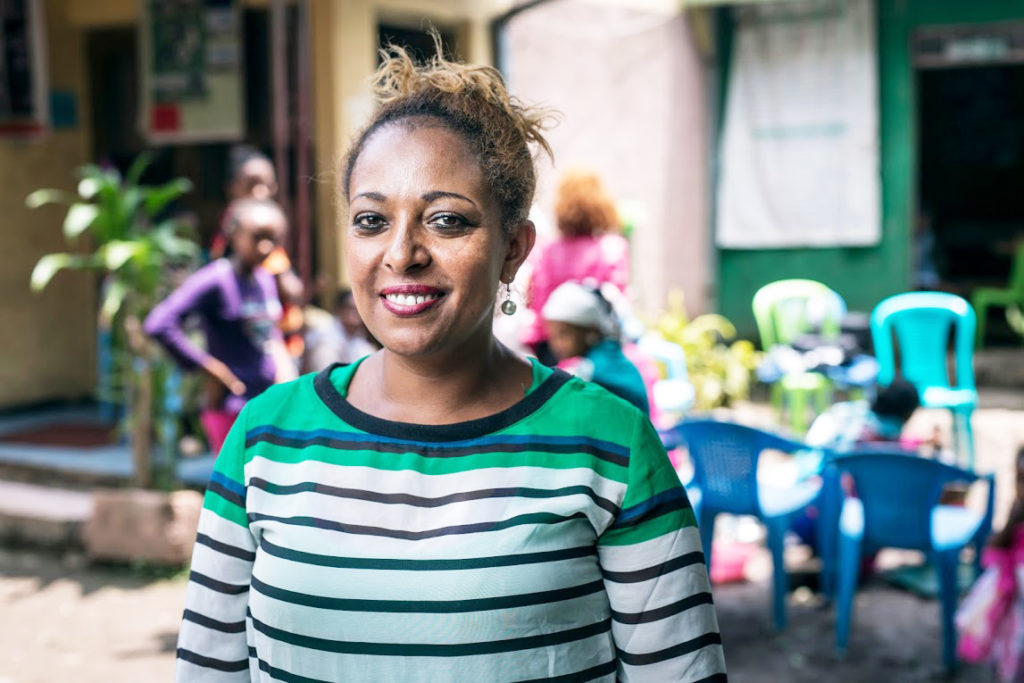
x,y
236,301
444,509
582,327
252,176
588,247
338,338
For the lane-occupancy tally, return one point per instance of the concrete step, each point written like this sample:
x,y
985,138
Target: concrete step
x,y
43,516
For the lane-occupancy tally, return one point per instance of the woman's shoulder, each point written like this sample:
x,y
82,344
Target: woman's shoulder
x,y
590,409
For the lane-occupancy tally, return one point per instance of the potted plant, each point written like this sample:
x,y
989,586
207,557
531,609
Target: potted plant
x,y
133,248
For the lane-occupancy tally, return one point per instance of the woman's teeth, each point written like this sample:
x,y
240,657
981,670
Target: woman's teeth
x,y
411,299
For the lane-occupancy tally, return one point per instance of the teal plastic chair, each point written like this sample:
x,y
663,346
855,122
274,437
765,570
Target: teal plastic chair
x,y
1013,295
922,322
897,506
724,457
784,310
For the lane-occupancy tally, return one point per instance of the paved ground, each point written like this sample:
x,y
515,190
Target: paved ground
x,y
62,620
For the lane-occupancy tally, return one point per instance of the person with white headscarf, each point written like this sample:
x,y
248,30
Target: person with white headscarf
x,y
581,322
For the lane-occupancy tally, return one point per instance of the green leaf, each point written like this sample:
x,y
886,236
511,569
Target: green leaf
x,y
116,292
79,219
159,197
49,265
164,236
88,187
138,167
115,254
43,197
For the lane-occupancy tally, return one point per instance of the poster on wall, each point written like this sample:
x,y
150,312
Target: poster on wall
x,y
24,100
800,148
191,70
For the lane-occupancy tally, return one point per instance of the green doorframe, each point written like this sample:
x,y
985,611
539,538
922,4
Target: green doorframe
x,y
862,275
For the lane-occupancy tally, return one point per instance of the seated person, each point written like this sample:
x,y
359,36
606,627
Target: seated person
x,y
581,323
849,424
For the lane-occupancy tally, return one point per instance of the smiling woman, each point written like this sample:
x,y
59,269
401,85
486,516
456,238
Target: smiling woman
x,y
444,509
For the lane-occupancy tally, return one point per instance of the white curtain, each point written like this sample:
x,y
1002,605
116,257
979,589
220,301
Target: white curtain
x,y
799,157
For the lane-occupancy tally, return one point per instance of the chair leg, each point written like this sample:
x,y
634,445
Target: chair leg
x,y
849,567
963,437
946,567
828,530
776,400
980,306
797,403
780,580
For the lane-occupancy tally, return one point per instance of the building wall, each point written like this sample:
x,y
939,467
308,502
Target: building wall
x,y
864,276
47,339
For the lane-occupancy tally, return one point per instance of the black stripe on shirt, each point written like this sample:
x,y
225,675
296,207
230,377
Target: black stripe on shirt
x,y
211,663
580,676
487,647
219,586
714,678
677,650
535,518
282,675
222,626
424,502
429,451
225,548
654,572
426,565
662,508
664,612
427,606
226,493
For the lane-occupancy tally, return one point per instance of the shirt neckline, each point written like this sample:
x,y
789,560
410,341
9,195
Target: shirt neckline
x,y
332,388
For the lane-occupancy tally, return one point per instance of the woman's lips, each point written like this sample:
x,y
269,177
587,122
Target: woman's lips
x,y
407,300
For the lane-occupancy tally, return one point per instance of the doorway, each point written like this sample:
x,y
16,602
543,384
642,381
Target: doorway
x,y
970,122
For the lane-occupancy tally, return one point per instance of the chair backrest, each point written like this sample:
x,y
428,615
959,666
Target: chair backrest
x,y
725,457
899,492
785,309
670,356
922,323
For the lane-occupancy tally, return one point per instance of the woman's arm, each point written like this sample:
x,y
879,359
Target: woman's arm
x,y
663,617
211,642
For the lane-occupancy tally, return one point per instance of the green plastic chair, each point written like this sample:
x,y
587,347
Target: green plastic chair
x,y
784,310
1013,295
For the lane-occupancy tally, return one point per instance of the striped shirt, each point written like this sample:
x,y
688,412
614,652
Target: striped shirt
x,y
550,541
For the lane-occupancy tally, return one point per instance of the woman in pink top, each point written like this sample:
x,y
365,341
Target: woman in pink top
x,y
588,248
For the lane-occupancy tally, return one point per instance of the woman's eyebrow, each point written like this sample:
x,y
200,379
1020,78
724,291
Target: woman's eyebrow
x,y
440,194
375,196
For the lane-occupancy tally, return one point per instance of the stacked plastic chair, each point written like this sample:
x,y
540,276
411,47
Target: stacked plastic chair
x,y
897,505
784,310
922,323
725,457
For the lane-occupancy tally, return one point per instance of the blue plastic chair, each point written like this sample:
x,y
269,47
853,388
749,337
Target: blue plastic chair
x,y
725,457
897,506
673,393
922,322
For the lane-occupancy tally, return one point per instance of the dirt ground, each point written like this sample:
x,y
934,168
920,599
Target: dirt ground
x,y
62,620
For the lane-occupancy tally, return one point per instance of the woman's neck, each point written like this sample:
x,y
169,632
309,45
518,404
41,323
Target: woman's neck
x,y
458,387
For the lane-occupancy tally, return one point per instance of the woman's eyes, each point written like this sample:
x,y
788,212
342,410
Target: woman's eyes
x,y
442,222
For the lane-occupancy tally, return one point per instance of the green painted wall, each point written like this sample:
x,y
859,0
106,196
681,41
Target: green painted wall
x,y
865,275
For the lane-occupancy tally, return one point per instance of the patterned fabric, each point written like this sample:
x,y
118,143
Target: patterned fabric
x,y
337,546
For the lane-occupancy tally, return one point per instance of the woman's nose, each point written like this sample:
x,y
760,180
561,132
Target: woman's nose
x,y
405,250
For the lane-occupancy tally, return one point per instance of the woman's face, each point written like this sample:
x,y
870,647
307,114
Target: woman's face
x,y
425,246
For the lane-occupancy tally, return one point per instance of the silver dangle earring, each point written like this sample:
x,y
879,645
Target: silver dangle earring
x,y
508,307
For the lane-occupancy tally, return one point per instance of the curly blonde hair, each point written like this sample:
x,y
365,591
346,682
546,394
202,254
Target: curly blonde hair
x,y
582,207
472,101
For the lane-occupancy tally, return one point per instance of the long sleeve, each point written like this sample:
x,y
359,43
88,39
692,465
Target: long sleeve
x,y
212,640
164,322
663,618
